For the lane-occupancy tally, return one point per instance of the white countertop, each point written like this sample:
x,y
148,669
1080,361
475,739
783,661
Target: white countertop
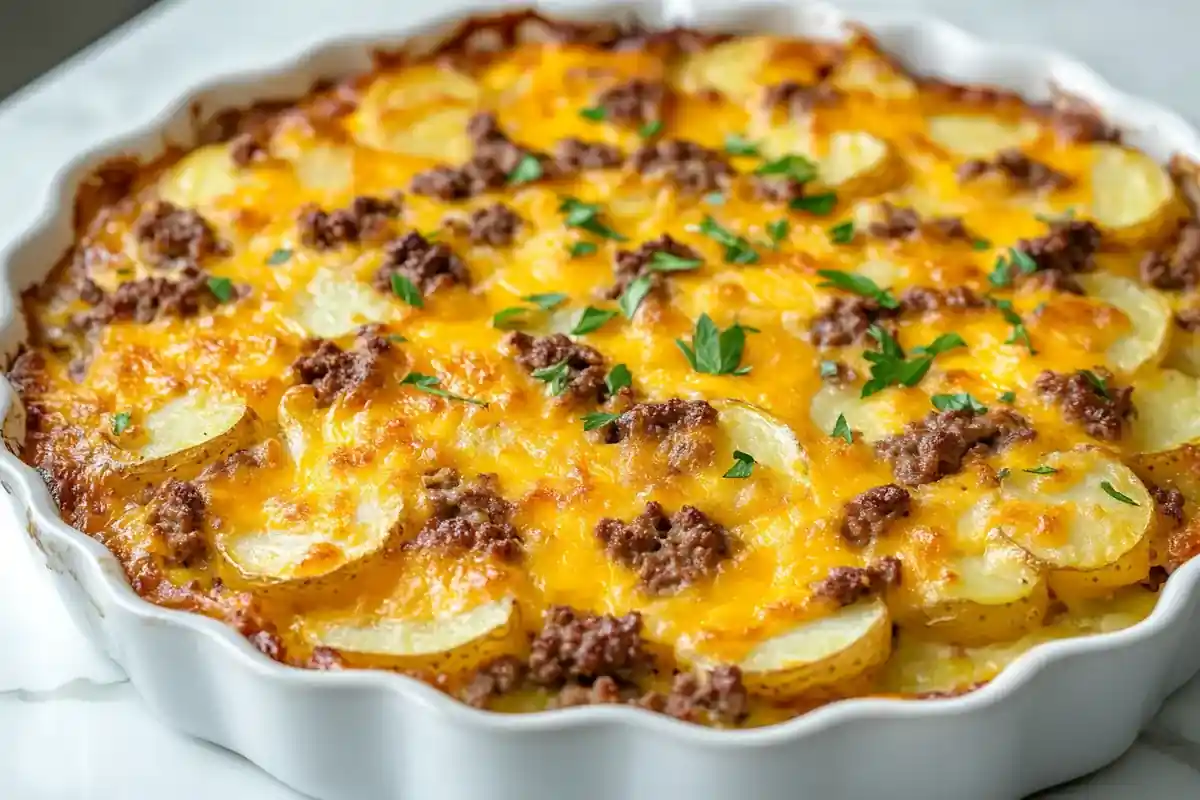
x,y
70,728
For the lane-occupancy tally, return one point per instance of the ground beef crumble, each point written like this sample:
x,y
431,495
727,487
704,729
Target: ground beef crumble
x,y
147,299
1102,413
1076,120
585,365
799,99
845,321
1188,319
629,265
901,222
247,149
468,516
920,299
1018,169
428,265
634,102
177,519
495,678
868,515
715,696
578,646
683,430
572,156
1068,248
847,585
934,447
668,553
494,158
366,218
494,225
691,167
174,237
1168,503
1179,267
333,372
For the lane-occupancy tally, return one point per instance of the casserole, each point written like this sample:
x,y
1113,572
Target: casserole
x,y
1168,595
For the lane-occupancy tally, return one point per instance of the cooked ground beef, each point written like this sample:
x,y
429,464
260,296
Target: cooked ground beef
x,y
366,218
683,430
572,156
845,321
1101,412
839,374
494,158
428,265
494,225
1076,120
1188,319
1168,503
468,516
921,299
147,299
847,585
631,264
800,99
717,696
246,149
868,515
325,659
602,692
634,102
493,679
1068,248
777,188
668,553
1183,544
1019,169
691,167
1178,267
333,372
177,519
585,366
444,183
901,222
171,236
576,645
936,446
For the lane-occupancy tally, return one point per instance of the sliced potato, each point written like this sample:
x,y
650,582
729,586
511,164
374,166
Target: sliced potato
x,y
1149,319
1133,198
1168,412
771,442
333,305
977,136
1070,521
324,169
857,163
1183,352
863,72
732,68
875,417
451,645
971,599
182,436
828,650
201,177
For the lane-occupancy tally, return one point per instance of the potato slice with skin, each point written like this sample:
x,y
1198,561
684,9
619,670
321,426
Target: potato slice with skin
x,y
452,645
333,306
731,68
974,136
1168,405
857,163
1149,319
1133,198
1069,521
182,436
772,443
875,417
871,74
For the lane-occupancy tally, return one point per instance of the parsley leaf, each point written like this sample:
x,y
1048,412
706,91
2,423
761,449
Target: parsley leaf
x,y
634,294
714,199
222,288
828,369
980,244
743,463
591,319
528,169
842,233
947,341
1007,397
662,261
797,168
819,204
738,145
396,338
889,367
278,256
651,128
713,351
579,249
1098,383
961,401
1115,495
585,217
737,248
546,302
778,231
509,318
1020,334
594,113
841,429
618,378
557,376
858,284
1041,469
429,385
598,419
120,422
407,291
1002,273
1002,473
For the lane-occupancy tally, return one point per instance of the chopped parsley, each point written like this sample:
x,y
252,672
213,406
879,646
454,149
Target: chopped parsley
x,y
819,204
396,338
514,316
120,422
961,401
1007,397
714,199
1002,473
1002,274
858,284
651,128
1098,383
778,231
528,169
546,302
278,256
593,113
1020,334
662,261
407,291
429,385
738,145
1041,469
634,294
796,168
222,288
1115,495
889,367
716,352
591,319
556,376
579,249
842,233
841,429
618,378
585,217
743,463
980,244
737,248
598,419
828,369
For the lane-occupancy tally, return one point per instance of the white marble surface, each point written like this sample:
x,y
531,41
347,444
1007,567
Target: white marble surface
x,y
70,729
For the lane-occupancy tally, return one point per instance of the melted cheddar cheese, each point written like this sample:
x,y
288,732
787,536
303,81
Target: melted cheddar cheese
x,y
303,513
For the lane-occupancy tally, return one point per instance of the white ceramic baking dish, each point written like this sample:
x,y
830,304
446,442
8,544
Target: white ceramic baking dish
x,y
1059,711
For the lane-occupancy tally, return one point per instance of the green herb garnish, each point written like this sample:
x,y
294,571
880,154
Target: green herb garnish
x,y
546,302
889,367
737,145
1020,334
980,244
797,168
598,419
634,294
778,231
662,261
842,233
1098,383
120,422
651,128
716,352
828,369
594,113
858,284
618,378
1002,273
278,256
406,290
590,319
557,376
429,385
961,401
1041,469
585,217
714,199
841,429
743,463
528,169
509,318
819,204
1115,495
222,289
737,248
580,249
1007,397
